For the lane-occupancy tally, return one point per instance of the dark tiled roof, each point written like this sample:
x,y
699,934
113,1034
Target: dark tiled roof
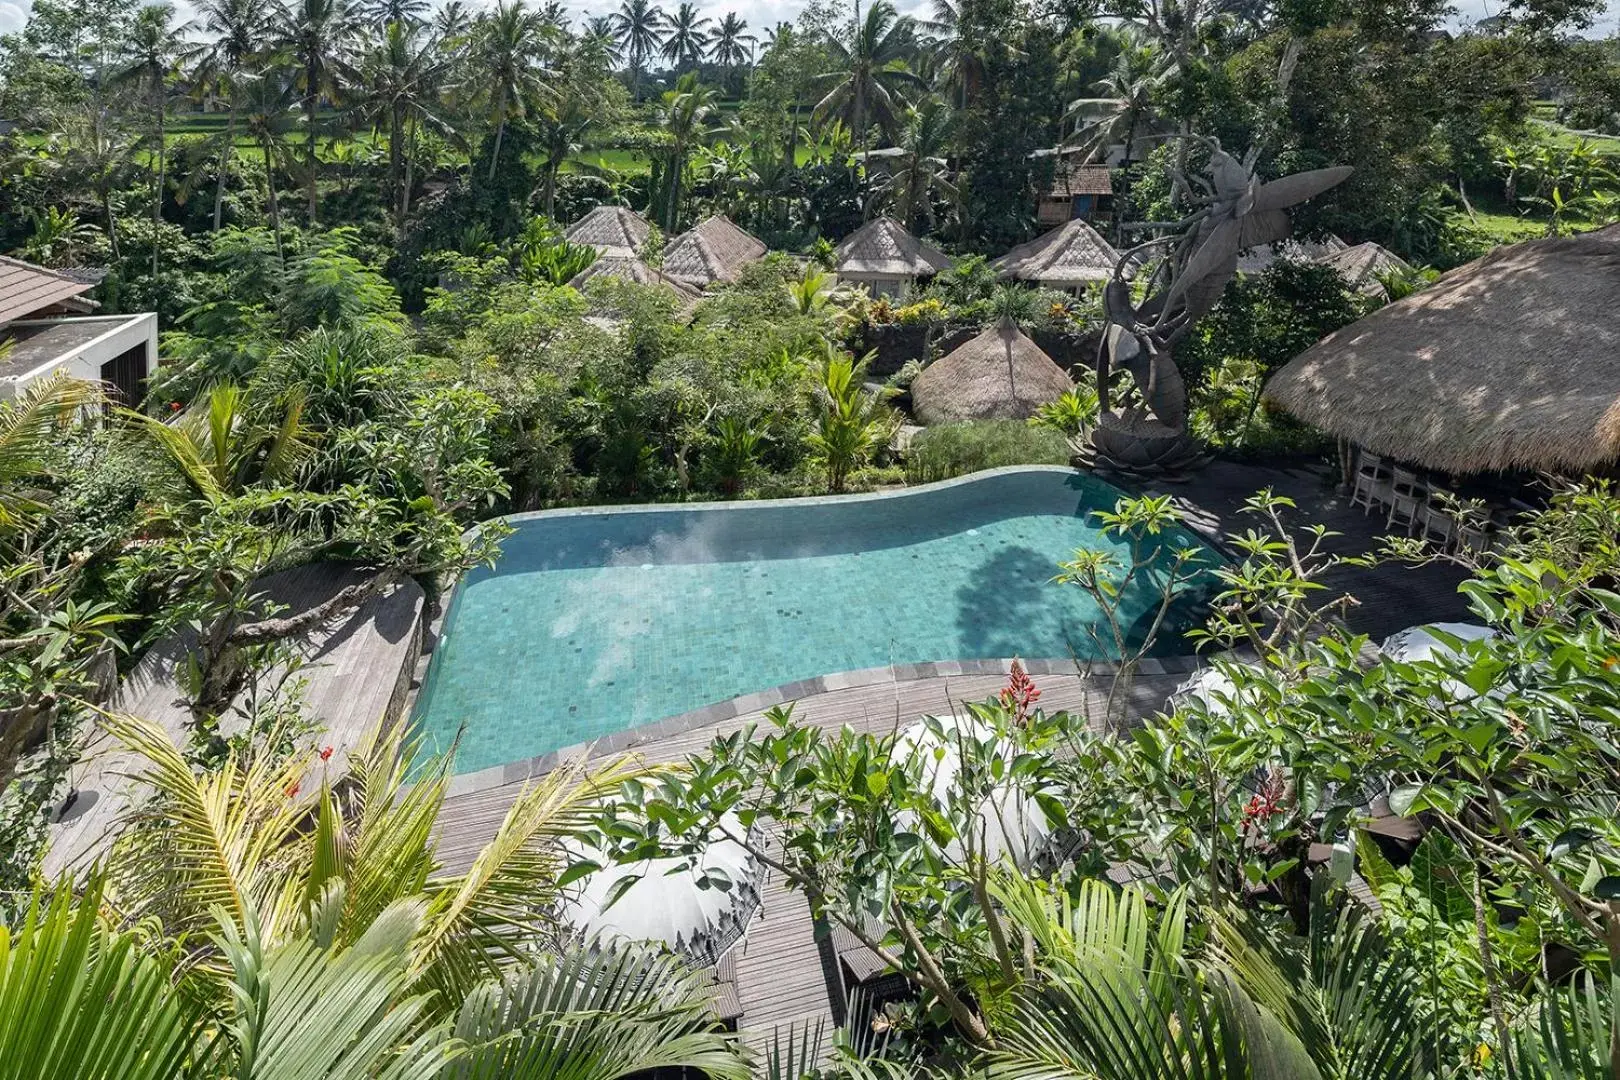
x,y
26,289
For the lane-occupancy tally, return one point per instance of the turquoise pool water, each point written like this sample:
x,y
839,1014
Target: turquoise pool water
x,y
598,621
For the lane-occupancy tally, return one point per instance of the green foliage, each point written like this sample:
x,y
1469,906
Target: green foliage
x,y
851,423
939,453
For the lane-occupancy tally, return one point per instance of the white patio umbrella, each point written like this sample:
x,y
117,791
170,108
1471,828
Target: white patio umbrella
x,y
1010,820
1210,686
1416,643
699,908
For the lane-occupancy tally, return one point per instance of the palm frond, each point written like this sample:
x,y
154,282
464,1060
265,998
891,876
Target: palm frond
x,y
81,1002
476,917
182,451
202,843
29,428
594,1014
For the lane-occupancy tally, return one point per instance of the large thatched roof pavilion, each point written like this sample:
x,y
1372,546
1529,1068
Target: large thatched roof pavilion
x,y
886,258
715,249
611,230
1510,362
1070,256
999,375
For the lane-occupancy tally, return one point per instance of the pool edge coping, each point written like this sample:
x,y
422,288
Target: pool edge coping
x,y
524,769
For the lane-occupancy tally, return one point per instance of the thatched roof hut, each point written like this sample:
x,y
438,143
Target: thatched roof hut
x,y
1362,265
632,269
713,250
1510,362
1071,256
611,230
999,375
885,257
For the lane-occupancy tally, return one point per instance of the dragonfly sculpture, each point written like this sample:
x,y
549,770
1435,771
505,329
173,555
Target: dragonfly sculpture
x,y
1189,265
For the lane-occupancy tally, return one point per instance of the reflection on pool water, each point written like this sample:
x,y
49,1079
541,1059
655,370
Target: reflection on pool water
x,y
601,620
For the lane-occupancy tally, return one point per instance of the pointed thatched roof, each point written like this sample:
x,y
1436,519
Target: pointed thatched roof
x,y
1361,265
632,269
1510,362
1071,254
713,250
999,375
883,248
611,230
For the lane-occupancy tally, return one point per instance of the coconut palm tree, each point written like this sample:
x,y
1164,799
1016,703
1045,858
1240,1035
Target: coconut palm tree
x,y
865,85
687,118
510,42
154,50
730,45
1125,108
599,33
686,35
269,106
237,31
636,27
319,36
577,106
402,79
379,13
912,178
451,22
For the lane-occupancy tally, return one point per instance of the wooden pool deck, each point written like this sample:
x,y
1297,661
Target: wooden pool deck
x,y
356,668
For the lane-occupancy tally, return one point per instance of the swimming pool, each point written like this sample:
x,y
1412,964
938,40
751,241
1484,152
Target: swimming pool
x,y
598,620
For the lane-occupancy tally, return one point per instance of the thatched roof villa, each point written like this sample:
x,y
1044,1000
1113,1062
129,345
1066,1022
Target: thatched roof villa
x,y
1071,257
713,250
999,375
1510,362
1362,265
611,230
633,269
886,258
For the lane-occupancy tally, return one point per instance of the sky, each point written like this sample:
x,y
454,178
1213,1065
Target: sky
x,y
762,14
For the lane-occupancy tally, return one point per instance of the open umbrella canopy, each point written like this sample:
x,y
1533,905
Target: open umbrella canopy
x,y
697,907
1211,687
1418,643
1009,819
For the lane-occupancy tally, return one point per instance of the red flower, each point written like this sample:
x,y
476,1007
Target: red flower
x,y
1021,694
292,789
175,406
326,753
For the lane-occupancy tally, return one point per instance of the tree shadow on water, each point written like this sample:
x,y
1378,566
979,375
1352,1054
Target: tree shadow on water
x,y
1011,590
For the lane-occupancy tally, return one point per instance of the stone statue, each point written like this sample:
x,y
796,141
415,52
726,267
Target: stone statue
x,y
1190,266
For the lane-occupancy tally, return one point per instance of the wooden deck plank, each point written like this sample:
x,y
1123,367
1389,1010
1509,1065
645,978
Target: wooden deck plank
x,y
356,670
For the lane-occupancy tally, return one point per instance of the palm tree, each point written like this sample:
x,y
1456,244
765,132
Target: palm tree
x,y
686,35
599,34
379,13
911,180
318,36
577,106
225,442
870,74
154,49
451,21
636,28
730,45
101,152
276,936
402,78
510,41
237,30
1125,108
687,118
270,101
